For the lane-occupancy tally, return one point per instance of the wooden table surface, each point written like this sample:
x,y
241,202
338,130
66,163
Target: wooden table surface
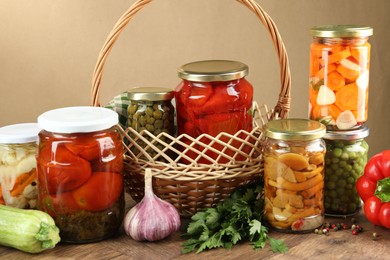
x,y
338,245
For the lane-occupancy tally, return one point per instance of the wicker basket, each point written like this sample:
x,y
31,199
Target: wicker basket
x,y
193,185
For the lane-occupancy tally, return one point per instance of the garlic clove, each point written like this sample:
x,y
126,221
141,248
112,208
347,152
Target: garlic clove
x,y
350,65
326,96
346,120
362,80
152,219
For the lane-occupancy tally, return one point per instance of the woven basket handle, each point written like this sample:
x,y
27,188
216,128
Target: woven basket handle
x,y
283,105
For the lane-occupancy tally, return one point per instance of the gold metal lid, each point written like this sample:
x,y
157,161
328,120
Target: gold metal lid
x,y
350,134
340,31
213,70
150,93
295,129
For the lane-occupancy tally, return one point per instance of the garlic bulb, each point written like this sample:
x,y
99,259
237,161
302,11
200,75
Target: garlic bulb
x,y
152,218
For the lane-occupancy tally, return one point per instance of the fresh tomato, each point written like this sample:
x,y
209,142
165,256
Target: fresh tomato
x,y
60,170
100,192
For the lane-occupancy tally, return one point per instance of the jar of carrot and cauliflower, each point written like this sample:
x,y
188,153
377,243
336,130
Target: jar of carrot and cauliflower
x,y
18,176
339,75
294,175
213,97
80,163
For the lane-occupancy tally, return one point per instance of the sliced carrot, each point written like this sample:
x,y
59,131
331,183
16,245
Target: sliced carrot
x,y
326,70
348,74
23,181
361,53
336,57
347,97
319,112
317,49
314,66
335,81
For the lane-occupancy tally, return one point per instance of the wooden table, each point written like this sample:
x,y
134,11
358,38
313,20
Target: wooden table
x,y
338,245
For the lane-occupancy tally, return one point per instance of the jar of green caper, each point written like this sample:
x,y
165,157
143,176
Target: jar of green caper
x,y
346,157
151,109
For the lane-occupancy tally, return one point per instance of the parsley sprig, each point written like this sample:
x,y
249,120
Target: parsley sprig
x,y
237,218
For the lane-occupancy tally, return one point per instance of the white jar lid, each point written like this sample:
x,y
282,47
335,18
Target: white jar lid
x,y
82,119
19,133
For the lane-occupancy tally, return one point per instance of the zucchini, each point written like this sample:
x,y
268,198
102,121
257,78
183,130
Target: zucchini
x,y
28,230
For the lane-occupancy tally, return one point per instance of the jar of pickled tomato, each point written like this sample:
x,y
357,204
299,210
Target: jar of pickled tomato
x,y
345,160
339,75
80,164
18,175
213,97
294,159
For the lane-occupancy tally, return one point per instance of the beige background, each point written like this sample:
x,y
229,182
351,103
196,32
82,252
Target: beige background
x,y
48,49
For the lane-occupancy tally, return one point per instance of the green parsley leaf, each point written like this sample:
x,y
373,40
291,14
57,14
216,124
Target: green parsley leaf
x,y
277,245
235,219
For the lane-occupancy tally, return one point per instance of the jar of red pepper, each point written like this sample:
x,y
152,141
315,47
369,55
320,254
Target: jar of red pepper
x,y
213,97
79,164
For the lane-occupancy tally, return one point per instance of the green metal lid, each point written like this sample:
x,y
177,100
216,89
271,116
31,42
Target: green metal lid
x,y
350,134
295,129
150,94
340,31
213,70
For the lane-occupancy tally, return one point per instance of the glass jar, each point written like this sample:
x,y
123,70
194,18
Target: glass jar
x,y
151,109
339,75
18,176
294,175
213,97
346,157
80,163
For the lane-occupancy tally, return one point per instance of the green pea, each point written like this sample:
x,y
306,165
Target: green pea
x,y
158,124
132,109
150,120
341,183
149,111
150,128
333,194
335,160
344,156
330,185
333,178
337,152
328,161
350,180
157,114
142,120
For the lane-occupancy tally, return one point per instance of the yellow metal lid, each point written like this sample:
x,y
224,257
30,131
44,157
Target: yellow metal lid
x,y
150,93
213,70
294,129
340,31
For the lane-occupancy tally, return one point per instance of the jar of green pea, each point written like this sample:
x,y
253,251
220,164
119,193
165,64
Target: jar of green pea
x,y
151,109
345,159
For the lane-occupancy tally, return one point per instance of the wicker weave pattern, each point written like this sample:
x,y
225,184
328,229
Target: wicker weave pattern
x,y
193,184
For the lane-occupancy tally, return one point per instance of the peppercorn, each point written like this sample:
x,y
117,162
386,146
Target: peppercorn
x,y
354,232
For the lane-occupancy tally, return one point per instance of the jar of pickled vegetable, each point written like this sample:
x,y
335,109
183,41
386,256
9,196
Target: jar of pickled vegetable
x,y
151,109
339,75
294,175
18,176
213,97
346,157
80,163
